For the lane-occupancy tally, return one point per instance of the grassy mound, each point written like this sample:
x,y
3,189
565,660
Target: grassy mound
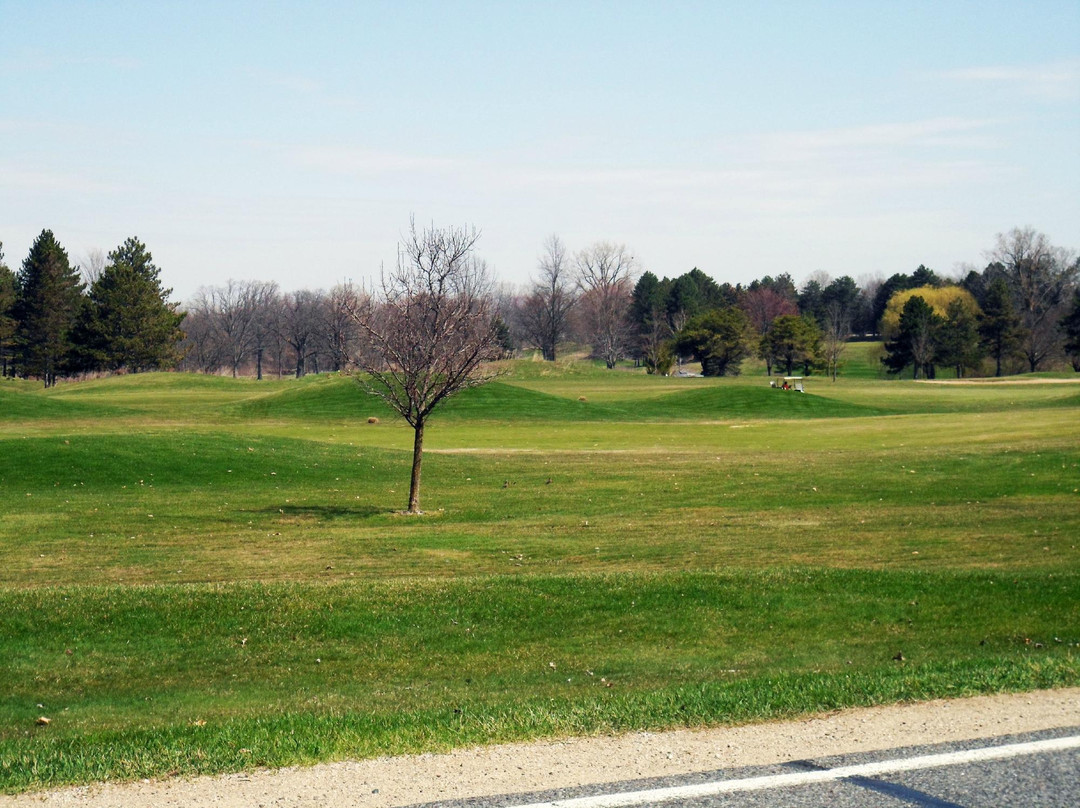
x,y
204,574
330,397
18,403
756,402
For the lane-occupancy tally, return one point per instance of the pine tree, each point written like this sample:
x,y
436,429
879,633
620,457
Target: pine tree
x,y
792,340
718,339
47,304
999,325
130,323
958,338
916,339
7,316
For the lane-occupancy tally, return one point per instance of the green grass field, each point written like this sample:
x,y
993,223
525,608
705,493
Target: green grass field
x,y
201,574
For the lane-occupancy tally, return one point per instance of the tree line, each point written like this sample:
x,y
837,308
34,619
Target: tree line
x,y
1021,312
54,322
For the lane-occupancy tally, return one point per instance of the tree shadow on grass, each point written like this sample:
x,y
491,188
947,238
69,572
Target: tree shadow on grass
x,y
327,513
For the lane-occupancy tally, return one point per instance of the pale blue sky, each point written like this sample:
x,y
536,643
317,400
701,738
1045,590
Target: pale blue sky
x,y
292,141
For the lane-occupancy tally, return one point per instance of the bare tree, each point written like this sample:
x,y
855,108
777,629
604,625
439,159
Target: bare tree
x,y
653,342
234,309
92,265
301,314
429,328
202,347
339,328
835,335
544,313
605,275
1040,277
265,326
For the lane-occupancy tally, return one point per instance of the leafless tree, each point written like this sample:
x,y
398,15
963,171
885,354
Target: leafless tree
x,y
92,265
429,329
202,347
653,341
301,315
233,310
835,334
1040,277
544,313
339,329
265,326
605,276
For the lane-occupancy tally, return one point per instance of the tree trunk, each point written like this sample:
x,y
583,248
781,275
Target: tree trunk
x,y
258,364
417,457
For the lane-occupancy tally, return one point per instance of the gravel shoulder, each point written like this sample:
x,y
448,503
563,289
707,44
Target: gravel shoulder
x,y
511,768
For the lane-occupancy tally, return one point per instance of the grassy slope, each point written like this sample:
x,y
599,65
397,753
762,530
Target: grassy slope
x,y
202,574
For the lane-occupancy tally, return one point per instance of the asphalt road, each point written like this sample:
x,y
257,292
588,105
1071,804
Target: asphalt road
x,y
1035,769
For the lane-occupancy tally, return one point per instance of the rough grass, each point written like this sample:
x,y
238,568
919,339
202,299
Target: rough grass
x,y
201,574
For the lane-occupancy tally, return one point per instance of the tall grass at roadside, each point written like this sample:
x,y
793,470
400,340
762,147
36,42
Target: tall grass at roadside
x,y
190,675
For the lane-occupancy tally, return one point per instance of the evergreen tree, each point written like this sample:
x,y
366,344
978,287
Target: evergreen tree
x,y
503,337
915,341
896,283
130,323
648,311
685,300
648,302
812,301
713,295
718,339
840,301
47,304
924,276
7,316
958,338
791,340
999,325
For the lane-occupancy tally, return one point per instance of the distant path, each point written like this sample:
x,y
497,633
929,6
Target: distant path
x,y
525,768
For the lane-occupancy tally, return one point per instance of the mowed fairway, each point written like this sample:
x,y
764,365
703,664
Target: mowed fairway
x,y
201,574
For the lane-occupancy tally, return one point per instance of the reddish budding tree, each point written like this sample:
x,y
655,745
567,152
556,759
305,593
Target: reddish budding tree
x,y
427,329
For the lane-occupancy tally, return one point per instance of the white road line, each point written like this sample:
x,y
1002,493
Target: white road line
x,y
802,778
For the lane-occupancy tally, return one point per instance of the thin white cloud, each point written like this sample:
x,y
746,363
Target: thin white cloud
x,y
303,87
933,133
23,180
903,155
350,160
1056,81
30,62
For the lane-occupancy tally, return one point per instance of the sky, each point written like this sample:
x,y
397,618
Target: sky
x,y
295,142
